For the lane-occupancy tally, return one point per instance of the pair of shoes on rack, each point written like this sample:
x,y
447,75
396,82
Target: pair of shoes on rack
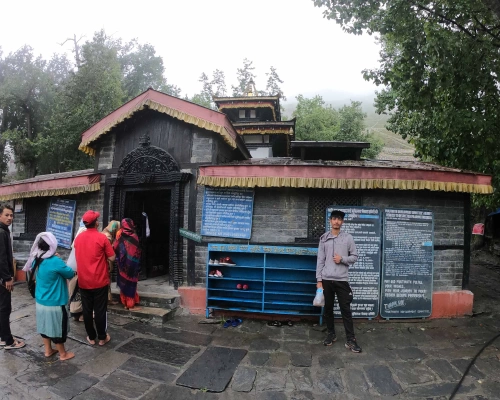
x,y
222,261
216,274
234,322
227,261
242,286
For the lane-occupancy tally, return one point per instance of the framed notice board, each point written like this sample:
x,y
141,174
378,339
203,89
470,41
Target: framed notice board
x,y
60,220
227,212
364,224
408,254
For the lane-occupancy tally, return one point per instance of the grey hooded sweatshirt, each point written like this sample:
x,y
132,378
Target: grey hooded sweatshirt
x,y
344,246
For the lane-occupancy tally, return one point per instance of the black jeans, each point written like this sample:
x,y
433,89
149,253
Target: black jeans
x,y
5,310
344,297
95,301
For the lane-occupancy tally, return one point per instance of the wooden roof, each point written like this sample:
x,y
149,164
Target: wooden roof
x,y
183,110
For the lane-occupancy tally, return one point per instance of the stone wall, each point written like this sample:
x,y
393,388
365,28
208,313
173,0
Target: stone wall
x,y
202,151
106,151
281,216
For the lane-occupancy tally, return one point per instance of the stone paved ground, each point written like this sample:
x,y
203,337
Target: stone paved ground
x,y
400,360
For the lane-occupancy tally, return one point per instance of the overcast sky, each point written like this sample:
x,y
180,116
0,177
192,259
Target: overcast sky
x,y
311,54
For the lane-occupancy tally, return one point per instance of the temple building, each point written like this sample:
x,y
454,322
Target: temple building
x,y
257,119
234,183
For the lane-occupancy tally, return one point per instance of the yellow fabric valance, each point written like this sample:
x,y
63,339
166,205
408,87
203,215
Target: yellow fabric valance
x,y
264,131
324,183
93,187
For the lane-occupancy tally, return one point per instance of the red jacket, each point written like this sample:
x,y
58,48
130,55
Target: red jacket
x,y
92,250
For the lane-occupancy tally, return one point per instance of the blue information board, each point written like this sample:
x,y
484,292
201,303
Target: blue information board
x,y
227,212
364,224
60,220
408,255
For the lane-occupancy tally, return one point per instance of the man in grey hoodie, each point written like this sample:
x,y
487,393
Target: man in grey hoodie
x,y
336,252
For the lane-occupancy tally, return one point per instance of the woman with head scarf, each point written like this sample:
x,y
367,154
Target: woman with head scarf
x,y
51,294
110,232
128,258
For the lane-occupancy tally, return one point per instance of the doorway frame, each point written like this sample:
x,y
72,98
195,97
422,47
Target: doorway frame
x,y
151,168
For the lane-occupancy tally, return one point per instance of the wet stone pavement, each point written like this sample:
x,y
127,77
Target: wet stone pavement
x,y
400,360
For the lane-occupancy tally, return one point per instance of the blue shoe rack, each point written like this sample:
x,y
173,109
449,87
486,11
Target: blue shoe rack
x,y
281,280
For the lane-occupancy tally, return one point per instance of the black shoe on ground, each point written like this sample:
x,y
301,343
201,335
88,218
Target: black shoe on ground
x,y
330,338
353,346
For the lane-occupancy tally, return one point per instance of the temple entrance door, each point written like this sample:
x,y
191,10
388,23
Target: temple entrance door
x,y
155,248
149,180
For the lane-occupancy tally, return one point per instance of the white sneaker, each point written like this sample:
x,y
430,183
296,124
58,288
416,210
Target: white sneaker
x,y
211,262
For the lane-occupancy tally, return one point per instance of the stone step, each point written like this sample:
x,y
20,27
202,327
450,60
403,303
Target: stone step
x,y
155,316
153,300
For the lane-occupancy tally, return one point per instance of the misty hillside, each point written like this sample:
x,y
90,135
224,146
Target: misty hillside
x,y
396,148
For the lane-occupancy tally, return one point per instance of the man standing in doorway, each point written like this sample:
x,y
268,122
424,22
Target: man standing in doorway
x,y
93,251
336,252
6,280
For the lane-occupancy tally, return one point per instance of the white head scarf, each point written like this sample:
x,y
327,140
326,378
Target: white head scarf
x,y
35,252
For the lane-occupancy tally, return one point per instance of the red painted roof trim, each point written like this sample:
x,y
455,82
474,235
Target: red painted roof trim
x,y
50,184
337,172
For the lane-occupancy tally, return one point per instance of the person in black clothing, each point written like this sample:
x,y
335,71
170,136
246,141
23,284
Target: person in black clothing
x,y
6,280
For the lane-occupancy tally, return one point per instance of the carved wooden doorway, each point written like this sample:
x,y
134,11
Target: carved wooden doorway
x,y
149,179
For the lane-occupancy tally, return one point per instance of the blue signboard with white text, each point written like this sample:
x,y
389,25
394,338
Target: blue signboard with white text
x,y
408,263
227,212
60,220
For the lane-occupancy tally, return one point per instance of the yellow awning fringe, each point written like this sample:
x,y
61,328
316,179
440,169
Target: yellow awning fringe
x,y
326,183
190,119
266,131
93,187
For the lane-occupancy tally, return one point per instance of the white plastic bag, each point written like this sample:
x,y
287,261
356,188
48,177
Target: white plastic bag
x,y
72,260
319,299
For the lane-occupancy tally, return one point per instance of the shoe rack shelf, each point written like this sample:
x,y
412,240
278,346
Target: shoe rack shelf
x,y
281,280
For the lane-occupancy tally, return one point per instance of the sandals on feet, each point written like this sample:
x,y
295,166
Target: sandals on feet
x,y
16,345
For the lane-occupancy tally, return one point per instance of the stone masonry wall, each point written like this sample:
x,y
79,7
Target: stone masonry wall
x,y
202,151
281,216
106,151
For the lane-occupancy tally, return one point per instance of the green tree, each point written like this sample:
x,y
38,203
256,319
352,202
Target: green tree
x,y
141,68
210,88
273,84
440,71
218,83
244,75
94,91
28,87
318,121
204,98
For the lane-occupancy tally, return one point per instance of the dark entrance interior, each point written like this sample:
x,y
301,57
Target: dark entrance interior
x,y
155,248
